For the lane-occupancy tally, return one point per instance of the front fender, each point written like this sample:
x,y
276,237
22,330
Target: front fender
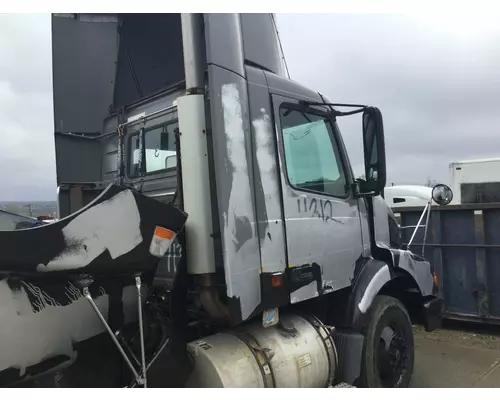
x,y
385,248
373,275
419,268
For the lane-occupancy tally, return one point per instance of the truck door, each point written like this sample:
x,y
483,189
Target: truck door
x,y
322,221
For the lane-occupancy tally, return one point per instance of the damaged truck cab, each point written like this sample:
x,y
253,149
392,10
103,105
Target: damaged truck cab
x,y
281,243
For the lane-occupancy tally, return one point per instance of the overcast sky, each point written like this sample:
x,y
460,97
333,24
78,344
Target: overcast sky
x,y
437,82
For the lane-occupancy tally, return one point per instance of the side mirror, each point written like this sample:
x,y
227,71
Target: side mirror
x,y
442,194
374,150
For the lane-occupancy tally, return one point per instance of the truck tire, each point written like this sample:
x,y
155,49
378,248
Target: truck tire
x,y
388,352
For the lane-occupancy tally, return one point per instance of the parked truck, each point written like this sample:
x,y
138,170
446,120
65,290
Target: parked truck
x,y
254,258
407,196
472,182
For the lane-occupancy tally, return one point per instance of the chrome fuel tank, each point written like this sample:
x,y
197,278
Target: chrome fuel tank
x,y
299,352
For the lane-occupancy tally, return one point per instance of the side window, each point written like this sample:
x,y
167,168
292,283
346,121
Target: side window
x,y
160,151
311,153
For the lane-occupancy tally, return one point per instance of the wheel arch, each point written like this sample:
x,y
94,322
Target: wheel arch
x,y
374,278
405,288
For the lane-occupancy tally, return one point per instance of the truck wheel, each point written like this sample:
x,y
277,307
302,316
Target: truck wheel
x,y
388,352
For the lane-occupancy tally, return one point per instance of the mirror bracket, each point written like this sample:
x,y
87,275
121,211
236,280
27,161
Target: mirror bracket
x,y
359,191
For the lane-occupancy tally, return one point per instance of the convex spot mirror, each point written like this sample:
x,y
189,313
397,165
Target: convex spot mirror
x,y
374,151
442,194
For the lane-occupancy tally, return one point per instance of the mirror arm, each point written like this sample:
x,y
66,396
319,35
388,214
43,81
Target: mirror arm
x,y
365,194
335,113
346,113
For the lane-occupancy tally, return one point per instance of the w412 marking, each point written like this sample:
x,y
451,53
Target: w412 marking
x,y
317,208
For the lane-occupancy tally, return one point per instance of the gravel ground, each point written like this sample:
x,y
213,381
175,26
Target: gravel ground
x,y
487,337
459,355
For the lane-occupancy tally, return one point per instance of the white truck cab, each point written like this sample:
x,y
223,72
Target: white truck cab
x,y
402,196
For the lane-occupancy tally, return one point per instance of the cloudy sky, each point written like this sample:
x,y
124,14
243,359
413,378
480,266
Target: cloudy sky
x,y
436,80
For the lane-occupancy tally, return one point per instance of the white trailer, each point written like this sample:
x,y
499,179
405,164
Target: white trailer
x,y
478,179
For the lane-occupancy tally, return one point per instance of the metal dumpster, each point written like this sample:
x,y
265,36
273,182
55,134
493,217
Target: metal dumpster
x,y
463,243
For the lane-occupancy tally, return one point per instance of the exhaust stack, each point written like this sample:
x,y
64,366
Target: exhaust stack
x,y
194,156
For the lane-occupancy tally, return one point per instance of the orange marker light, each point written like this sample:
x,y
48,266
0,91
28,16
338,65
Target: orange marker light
x,y
435,279
164,233
276,281
161,241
